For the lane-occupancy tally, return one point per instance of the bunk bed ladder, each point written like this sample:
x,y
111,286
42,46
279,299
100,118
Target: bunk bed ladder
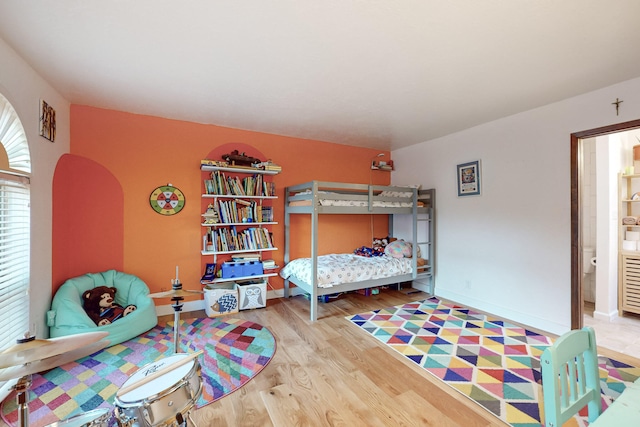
x,y
430,243
428,273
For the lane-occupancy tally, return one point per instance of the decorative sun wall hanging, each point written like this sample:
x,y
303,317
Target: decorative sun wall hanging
x,y
167,200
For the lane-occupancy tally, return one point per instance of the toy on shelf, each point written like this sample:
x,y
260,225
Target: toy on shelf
x,y
382,165
236,158
211,215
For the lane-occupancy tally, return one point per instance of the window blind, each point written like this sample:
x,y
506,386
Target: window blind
x,y
15,220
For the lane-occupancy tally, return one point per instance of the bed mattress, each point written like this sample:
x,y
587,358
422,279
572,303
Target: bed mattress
x,y
327,200
334,269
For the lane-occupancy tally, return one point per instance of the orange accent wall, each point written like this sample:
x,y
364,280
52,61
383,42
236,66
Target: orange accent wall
x,y
88,213
144,152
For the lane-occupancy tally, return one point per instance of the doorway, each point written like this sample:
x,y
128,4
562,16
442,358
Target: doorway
x,y
577,219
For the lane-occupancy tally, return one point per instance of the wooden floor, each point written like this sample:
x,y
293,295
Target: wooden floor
x,y
331,373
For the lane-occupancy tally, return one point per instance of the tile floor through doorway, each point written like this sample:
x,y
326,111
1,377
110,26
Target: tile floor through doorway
x,y
622,334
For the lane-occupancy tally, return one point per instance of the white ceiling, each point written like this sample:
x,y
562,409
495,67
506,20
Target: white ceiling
x,y
382,74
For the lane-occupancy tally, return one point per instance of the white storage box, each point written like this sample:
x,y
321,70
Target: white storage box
x,y
221,298
253,294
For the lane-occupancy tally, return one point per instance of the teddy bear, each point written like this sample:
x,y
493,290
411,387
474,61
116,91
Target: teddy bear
x,y
100,305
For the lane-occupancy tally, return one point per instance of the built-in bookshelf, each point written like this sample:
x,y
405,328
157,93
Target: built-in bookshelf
x,y
238,216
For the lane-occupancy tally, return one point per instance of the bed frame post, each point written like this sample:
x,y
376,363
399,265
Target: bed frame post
x,y
432,240
414,225
314,255
287,238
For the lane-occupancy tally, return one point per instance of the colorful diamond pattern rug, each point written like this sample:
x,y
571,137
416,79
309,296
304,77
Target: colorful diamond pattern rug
x,y
234,352
494,363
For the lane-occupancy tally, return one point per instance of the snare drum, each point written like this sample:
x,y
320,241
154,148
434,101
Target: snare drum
x,y
158,402
95,418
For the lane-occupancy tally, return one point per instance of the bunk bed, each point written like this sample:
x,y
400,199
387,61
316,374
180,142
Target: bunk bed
x,y
317,198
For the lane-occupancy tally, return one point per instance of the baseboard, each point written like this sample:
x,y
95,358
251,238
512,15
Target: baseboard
x,y
598,315
506,313
421,286
279,293
189,306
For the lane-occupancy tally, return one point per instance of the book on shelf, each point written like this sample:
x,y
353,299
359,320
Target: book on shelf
x,y
220,184
240,211
234,238
246,257
208,186
266,214
209,273
218,163
224,216
230,239
268,263
269,188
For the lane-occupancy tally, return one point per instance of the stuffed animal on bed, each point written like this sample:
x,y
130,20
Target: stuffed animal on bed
x,y
379,243
402,249
99,303
377,249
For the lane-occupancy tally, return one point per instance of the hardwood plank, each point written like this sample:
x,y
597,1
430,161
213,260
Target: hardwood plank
x,y
425,414
379,401
331,373
309,375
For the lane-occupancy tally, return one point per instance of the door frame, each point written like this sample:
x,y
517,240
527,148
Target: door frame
x,y
576,220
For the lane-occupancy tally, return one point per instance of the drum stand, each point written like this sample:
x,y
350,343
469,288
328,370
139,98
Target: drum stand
x,y
177,295
31,355
22,390
177,308
182,422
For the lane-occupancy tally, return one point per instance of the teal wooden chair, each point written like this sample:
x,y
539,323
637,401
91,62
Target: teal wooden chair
x,y
570,379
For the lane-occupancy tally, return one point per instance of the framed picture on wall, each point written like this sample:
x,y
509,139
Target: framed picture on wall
x,y
469,179
47,121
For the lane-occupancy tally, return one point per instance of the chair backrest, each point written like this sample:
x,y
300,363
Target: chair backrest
x,y
570,379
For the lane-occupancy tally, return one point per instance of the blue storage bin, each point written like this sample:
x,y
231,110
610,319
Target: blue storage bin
x,y
231,269
252,268
241,269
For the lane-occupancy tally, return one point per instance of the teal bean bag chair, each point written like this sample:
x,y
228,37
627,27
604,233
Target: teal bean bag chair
x,y
67,315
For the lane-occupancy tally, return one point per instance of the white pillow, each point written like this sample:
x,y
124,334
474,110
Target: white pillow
x,y
388,193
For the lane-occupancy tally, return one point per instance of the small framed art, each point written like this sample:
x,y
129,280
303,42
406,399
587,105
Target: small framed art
x,y
469,179
47,121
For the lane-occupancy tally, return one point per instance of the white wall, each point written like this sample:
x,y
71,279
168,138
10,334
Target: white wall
x,y
508,251
610,163
24,88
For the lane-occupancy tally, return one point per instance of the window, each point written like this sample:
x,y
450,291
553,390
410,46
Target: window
x,y
15,225
14,258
